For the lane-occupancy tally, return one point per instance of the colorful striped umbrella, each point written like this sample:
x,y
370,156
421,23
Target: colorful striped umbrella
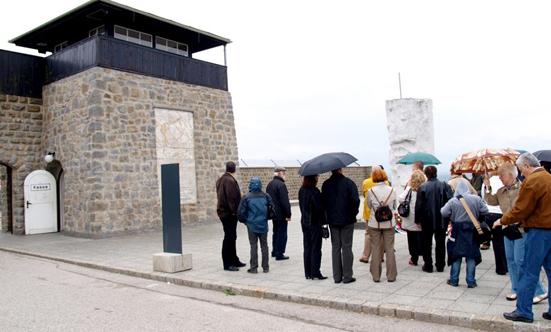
x,y
484,161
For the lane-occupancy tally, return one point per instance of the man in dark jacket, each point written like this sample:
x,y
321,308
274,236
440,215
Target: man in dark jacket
x,y
229,196
431,197
341,201
280,196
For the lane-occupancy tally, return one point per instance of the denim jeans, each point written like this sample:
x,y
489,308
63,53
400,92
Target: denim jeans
x,y
456,268
537,253
514,252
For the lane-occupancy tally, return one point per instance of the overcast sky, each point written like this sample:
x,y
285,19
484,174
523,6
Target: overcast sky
x,y
309,77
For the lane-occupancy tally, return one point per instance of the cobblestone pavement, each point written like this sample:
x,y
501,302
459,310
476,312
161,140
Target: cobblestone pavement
x,y
414,295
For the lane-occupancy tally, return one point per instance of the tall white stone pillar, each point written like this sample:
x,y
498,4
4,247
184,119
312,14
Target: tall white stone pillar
x,y
410,129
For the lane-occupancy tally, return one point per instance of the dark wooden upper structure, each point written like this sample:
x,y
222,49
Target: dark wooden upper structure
x,y
108,34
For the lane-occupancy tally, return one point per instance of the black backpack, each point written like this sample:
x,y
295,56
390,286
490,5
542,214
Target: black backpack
x,y
383,212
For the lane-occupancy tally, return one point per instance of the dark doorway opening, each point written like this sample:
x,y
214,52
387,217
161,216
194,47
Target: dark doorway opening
x,y
6,198
56,169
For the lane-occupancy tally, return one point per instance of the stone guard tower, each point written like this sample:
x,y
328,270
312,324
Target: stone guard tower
x,y
118,96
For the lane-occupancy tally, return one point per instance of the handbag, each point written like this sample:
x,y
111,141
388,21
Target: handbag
x,y
325,232
482,231
383,212
271,212
512,232
403,208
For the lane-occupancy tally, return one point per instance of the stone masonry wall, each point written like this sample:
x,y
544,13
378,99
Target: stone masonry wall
x,y
101,124
20,148
293,181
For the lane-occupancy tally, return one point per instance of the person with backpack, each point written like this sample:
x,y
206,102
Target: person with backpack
x,y
381,199
254,211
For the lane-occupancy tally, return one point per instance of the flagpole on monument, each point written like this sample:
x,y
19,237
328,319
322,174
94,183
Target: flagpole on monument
x,y
400,85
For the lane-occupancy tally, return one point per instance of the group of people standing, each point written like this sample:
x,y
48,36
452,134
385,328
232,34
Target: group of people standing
x,y
434,205
338,207
254,209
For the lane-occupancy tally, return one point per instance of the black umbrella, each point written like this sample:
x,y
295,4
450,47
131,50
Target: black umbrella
x,y
325,163
543,155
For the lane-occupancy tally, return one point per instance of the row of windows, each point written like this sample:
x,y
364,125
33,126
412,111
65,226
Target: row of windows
x,y
147,40
137,37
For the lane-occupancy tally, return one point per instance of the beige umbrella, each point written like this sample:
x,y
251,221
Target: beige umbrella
x,y
483,161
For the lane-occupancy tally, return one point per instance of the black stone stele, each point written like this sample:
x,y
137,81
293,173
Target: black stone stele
x,y
172,215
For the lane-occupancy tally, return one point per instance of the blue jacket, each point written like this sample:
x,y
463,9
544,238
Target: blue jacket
x,y
253,209
461,242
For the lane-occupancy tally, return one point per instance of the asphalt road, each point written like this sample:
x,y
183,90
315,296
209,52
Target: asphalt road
x,y
42,295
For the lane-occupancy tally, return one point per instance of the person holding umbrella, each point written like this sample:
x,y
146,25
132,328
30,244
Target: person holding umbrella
x,y
341,202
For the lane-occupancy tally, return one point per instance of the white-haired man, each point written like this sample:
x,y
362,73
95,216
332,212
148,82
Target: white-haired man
x,y
506,197
532,209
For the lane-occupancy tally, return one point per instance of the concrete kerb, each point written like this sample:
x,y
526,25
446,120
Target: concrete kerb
x,y
475,321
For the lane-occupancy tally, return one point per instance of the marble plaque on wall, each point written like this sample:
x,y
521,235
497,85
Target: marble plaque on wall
x,y
175,144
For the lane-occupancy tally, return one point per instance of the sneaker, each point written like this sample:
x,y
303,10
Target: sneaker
x,y
539,298
472,285
511,297
266,270
252,270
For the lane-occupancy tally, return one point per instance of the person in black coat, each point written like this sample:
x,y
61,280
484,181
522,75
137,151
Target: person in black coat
x,y
431,197
312,219
341,202
278,191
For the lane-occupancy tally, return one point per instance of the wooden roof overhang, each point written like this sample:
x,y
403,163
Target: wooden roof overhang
x,y
74,26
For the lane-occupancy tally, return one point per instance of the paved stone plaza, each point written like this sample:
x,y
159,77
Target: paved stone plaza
x,y
414,295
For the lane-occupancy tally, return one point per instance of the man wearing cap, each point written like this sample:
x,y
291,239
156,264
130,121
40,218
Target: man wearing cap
x,y
280,196
229,197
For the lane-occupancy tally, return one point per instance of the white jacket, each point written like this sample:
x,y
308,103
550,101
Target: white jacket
x,y
408,223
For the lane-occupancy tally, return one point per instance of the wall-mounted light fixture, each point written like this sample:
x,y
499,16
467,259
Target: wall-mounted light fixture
x,y
49,157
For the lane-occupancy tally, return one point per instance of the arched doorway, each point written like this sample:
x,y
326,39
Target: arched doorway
x,y
56,169
6,198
